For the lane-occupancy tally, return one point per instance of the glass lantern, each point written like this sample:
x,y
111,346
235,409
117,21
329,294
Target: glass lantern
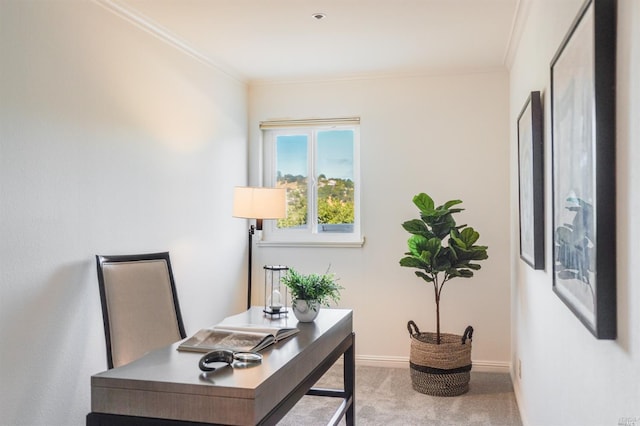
x,y
275,293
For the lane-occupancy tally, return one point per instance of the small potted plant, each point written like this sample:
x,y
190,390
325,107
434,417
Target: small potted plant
x,y
310,292
440,250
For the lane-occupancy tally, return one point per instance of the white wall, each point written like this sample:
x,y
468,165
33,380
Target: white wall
x,y
568,376
444,135
111,142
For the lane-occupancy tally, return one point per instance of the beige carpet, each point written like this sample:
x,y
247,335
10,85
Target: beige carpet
x,y
384,396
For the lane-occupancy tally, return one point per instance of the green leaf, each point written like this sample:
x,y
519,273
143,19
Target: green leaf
x,y
441,264
483,256
418,227
417,244
465,273
474,253
439,213
413,262
424,276
425,256
455,240
450,203
478,255
469,236
434,245
423,202
452,211
452,251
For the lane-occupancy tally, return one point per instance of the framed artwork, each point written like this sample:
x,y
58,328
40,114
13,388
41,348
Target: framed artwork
x,y
583,172
531,182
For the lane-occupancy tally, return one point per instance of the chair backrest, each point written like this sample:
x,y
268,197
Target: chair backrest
x,y
140,306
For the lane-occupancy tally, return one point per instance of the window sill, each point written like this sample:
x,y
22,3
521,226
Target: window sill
x,y
313,244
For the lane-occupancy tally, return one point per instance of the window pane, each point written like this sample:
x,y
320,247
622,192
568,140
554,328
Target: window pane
x,y
335,181
292,174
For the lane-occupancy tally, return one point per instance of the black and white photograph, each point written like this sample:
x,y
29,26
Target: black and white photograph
x,y
531,182
583,150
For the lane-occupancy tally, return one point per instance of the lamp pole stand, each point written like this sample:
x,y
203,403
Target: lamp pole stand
x,y
252,230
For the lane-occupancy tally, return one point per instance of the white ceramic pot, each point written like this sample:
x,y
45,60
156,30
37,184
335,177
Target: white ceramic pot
x,y
306,310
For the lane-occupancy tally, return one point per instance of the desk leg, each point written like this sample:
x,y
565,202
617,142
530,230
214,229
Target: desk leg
x,y
347,351
350,380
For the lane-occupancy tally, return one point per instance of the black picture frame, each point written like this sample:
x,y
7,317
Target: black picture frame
x,y
531,181
583,171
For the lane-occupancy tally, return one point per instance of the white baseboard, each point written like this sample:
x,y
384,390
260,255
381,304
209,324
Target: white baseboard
x,y
518,393
403,362
382,361
492,367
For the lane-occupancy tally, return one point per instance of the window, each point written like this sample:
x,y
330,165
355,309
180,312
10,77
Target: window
x,y
317,161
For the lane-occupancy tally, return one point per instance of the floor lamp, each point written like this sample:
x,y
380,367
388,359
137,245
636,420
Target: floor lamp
x,y
258,203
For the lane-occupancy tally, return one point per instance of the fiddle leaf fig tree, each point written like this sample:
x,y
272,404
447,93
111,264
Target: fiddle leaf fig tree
x,y
440,249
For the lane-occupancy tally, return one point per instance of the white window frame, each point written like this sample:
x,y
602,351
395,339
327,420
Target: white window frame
x,y
309,237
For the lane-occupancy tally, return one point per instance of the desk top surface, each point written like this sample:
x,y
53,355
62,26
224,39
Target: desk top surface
x,y
170,370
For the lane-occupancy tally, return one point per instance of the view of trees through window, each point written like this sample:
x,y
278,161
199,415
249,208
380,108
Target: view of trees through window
x,y
334,185
335,201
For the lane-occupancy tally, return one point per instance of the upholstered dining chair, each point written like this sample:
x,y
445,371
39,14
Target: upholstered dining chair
x,y
140,307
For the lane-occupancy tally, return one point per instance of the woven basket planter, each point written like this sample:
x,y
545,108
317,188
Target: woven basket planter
x,y
440,370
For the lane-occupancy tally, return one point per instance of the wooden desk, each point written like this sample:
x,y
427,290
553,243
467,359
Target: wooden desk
x,y
166,387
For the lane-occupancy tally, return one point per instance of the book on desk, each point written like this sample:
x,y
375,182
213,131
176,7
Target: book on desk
x,y
238,338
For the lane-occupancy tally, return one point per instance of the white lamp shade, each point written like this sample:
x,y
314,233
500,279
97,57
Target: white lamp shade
x,y
259,203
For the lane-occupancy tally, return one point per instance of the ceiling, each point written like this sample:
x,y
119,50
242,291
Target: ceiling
x,y
266,40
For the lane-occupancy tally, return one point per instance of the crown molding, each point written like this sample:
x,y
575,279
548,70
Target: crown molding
x,y
148,25
379,76
517,27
